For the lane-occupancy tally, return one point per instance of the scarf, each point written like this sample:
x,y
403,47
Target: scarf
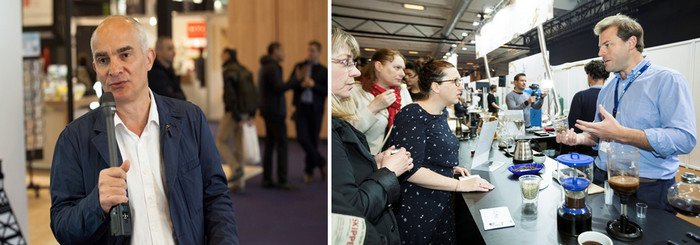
x,y
393,108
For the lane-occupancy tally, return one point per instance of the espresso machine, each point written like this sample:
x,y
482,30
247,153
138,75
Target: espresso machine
x,y
575,174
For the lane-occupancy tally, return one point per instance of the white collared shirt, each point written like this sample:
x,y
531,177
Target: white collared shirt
x,y
150,212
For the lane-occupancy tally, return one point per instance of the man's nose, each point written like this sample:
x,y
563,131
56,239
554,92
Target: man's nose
x,y
115,67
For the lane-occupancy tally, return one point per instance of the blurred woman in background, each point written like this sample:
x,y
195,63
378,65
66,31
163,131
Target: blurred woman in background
x,y
411,78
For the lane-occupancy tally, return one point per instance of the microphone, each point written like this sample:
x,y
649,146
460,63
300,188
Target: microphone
x,y
120,214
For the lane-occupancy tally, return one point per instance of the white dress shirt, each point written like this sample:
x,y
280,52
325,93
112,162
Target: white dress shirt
x,y
150,213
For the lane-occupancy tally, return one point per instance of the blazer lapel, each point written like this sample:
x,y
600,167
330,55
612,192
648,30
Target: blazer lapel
x,y
170,118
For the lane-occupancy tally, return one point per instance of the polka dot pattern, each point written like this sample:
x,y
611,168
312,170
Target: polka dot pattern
x,y
425,216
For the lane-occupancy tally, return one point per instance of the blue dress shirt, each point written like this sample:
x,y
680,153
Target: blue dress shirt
x,y
658,102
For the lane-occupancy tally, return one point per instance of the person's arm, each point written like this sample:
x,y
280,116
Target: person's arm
x,y
76,214
426,178
278,85
538,104
511,102
373,194
676,134
218,211
320,87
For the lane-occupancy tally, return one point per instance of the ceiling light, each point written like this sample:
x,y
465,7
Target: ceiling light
x,y
413,52
454,45
448,53
370,49
470,63
488,10
476,23
444,56
464,47
464,34
413,6
472,41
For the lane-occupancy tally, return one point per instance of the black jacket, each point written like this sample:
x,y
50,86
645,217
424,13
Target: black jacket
x,y
163,81
357,182
271,89
319,74
240,95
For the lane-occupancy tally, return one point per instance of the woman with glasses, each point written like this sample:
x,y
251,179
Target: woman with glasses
x,y
363,184
379,96
411,79
426,213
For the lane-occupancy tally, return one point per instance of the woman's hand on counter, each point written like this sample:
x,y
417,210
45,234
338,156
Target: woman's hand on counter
x,y
475,184
461,171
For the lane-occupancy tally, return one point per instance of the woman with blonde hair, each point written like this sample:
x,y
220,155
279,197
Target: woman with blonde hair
x,y
425,213
380,95
362,184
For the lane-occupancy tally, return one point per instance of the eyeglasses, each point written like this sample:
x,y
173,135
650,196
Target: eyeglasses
x,y
347,63
456,81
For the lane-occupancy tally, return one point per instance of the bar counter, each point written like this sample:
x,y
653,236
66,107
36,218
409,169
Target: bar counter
x,y
541,228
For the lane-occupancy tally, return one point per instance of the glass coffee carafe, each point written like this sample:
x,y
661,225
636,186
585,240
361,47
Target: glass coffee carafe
x,y
684,196
623,177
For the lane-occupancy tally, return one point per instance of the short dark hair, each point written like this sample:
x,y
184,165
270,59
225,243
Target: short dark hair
x,y
517,77
432,71
596,69
316,43
493,86
272,47
231,55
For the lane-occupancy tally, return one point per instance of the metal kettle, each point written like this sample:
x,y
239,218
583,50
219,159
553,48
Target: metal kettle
x,y
523,152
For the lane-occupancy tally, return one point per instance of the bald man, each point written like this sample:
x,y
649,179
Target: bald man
x,y
176,187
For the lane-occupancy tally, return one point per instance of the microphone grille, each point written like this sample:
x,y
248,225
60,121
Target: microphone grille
x,y
107,99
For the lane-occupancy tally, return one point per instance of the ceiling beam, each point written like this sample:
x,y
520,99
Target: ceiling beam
x,y
450,25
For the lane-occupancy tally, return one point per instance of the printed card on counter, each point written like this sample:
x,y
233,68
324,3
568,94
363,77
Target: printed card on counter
x,y
347,229
495,218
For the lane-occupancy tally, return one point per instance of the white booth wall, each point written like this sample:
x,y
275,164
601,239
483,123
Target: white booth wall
x,y
12,110
570,78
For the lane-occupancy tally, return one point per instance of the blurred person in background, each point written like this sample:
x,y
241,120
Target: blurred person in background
x,y
363,184
310,92
161,78
583,105
240,103
273,108
380,95
411,78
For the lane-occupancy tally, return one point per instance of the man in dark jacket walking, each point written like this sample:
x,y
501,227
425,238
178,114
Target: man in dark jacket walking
x,y
161,78
241,101
310,92
273,108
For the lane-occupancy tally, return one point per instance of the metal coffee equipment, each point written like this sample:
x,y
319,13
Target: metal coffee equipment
x,y
519,125
523,152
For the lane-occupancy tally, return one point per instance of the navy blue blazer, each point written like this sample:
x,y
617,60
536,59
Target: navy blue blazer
x,y
201,208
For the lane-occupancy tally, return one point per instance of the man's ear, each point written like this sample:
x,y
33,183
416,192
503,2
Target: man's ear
x,y
633,42
150,57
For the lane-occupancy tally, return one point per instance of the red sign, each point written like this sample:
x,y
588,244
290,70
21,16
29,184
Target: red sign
x,y
197,29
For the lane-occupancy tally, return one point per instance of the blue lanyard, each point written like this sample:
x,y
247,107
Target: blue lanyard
x,y
636,75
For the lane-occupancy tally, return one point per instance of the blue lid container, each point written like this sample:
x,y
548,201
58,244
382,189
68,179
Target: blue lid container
x,y
575,159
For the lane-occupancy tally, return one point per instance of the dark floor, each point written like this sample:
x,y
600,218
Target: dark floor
x,y
272,216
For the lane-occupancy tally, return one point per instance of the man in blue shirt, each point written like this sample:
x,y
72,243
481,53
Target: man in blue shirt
x,y
583,105
654,113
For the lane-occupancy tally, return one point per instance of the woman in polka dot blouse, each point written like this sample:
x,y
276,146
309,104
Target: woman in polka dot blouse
x,y
425,213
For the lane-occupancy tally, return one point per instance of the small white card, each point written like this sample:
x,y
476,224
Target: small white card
x,y
468,177
495,218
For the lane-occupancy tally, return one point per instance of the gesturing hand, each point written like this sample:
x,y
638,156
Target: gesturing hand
x,y
608,128
111,186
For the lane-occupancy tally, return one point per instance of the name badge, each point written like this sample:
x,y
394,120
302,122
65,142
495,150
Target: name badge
x,y
604,146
